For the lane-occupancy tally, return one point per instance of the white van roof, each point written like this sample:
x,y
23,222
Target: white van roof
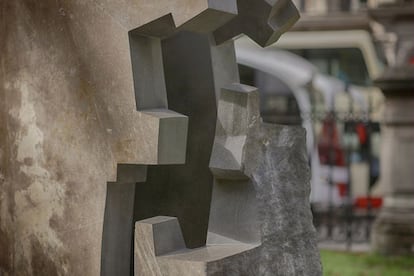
x,y
295,71
359,39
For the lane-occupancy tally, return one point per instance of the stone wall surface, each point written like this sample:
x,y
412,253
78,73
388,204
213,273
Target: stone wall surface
x,y
67,117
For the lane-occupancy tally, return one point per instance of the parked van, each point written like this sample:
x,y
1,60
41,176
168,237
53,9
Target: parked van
x,y
353,56
350,55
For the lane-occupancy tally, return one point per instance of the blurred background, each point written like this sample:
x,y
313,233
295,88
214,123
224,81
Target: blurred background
x,y
344,72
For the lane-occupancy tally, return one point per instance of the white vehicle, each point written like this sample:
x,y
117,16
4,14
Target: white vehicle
x,y
348,40
287,83
350,54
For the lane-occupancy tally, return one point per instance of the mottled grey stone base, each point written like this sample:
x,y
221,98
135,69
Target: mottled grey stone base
x,y
270,205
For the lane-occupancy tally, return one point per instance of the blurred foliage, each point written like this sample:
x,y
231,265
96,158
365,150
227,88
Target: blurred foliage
x,y
365,264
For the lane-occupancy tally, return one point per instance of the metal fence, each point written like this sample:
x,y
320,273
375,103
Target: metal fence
x,y
346,219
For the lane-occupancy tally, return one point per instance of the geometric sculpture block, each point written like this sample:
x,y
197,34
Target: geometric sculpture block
x,y
160,250
159,235
212,147
234,110
171,130
264,21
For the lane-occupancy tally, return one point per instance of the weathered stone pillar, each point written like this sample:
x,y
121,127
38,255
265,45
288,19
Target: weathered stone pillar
x,y
393,231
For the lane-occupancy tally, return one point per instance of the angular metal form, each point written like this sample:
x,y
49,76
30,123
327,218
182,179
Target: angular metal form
x,y
235,111
264,21
172,135
186,80
175,259
118,226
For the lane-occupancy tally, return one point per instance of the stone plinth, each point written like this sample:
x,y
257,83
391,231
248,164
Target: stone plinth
x,y
393,231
